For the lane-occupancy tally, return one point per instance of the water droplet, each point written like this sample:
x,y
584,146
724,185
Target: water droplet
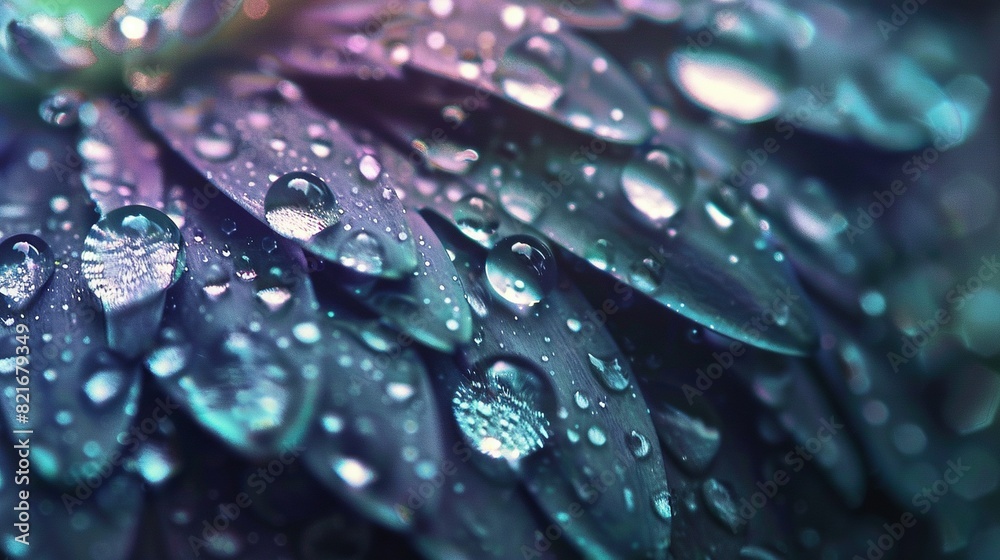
x,y
399,392
744,73
363,253
647,275
106,382
661,505
299,205
521,269
478,218
370,167
306,333
637,444
155,463
503,417
599,254
596,436
720,503
274,297
691,442
170,355
61,108
320,148
658,185
581,400
228,226
534,70
215,142
26,264
609,372
355,473
132,254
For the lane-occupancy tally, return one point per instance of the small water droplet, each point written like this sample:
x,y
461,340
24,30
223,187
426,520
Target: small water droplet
x,y
596,436
170,355
599,254
306,333
503,417
637,444
352,471
609,372
661,505
370,167
106,383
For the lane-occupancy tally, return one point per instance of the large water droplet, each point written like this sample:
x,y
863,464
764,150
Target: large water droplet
x,y
504,417
534,70
658,185
743,74
609,372
299,205
26,264
521,269
132,254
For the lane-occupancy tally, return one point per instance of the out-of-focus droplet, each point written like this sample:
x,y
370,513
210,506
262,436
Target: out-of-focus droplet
x,y
744,71
362,252
720,503
61,108
370,167
691,442
534,71
107,382
478,218
216,142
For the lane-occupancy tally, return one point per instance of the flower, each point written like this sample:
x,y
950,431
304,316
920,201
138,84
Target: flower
x,y
461,279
